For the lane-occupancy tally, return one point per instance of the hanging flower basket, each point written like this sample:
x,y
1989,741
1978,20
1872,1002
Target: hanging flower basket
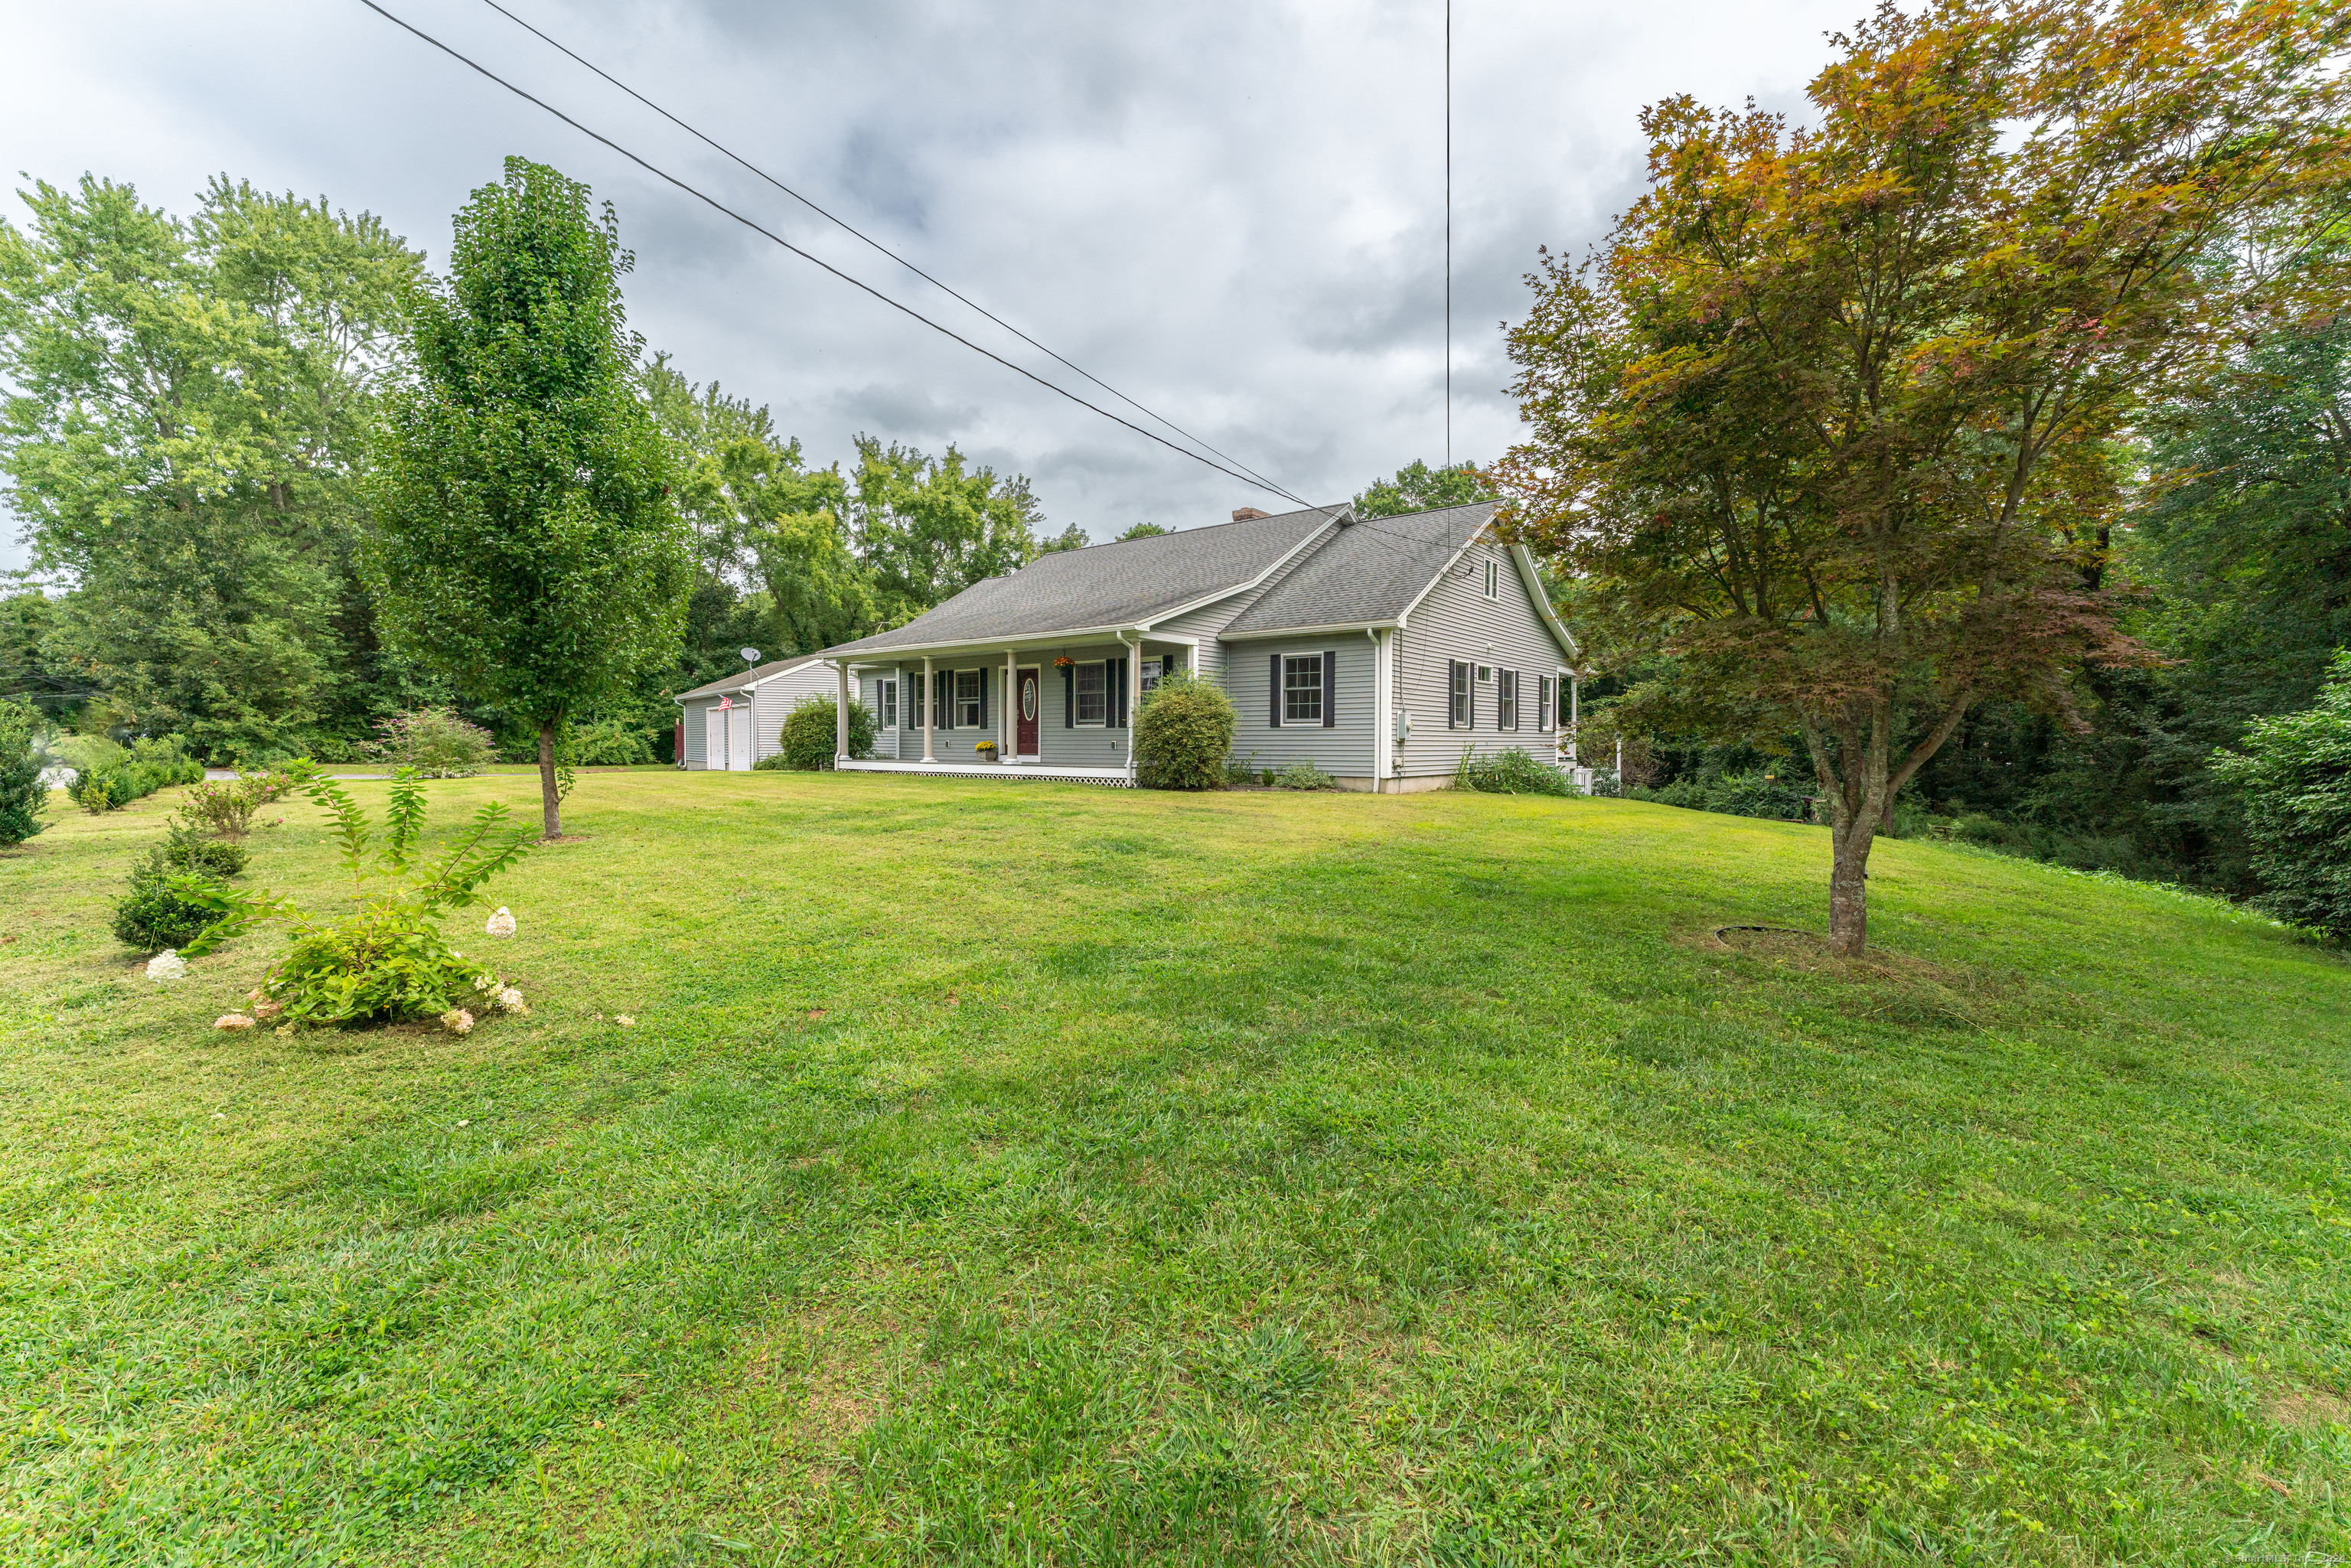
x,y
1063,661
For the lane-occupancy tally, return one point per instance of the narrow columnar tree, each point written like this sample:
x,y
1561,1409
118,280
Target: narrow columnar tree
x,y
1833,415
525,542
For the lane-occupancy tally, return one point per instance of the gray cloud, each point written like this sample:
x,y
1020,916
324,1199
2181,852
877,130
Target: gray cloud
x,y
1232,212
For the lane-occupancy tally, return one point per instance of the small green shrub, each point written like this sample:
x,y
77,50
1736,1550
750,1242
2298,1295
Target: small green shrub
x,y
1183,734
808,737
23,795
1241,773
1510,772
224,807
387,961
433,741
2294,778
157,912
1303,774
607,743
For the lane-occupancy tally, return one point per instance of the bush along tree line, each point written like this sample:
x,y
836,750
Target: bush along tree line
x,y
170,903
1836,420
198,408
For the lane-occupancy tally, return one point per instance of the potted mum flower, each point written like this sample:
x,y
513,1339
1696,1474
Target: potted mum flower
x,y
987,749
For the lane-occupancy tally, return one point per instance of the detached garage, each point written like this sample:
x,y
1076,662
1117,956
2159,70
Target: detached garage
x,y
731,724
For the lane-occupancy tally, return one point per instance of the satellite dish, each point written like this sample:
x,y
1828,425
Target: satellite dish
x,y
750,656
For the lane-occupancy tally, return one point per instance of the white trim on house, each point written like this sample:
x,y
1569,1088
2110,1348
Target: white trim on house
x,y
1322,630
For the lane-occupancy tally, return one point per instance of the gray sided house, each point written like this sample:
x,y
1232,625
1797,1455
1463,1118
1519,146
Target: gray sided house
x,y
1380,649
731,723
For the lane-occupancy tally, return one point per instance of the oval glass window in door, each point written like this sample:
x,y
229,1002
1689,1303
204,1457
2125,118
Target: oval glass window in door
x,y
1029,699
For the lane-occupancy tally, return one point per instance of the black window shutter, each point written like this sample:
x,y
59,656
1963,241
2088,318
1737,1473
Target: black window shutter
x,y
1452,703
947,699
1330,688
1276,691
983,697
1069,697
1116,670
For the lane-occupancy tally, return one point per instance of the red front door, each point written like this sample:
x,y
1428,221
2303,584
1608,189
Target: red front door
x,y
1024,738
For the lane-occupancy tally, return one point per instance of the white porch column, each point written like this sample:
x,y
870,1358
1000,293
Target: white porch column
x,y
1133,695
926,710
841,717
1574,717
1007,744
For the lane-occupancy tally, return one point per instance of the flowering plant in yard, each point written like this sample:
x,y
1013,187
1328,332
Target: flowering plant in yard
x,y
985,745
386,960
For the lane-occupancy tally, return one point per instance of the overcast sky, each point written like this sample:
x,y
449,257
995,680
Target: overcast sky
x,y
1232,212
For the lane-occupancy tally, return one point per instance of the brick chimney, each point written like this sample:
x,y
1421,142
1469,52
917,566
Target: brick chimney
x,y
1243,513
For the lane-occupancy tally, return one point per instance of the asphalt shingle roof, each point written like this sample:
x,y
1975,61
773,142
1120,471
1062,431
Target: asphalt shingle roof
x,y
737,681
1368,574
1105,585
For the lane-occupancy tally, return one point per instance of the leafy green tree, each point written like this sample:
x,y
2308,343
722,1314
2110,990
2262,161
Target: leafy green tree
x,y
1068,539
1141,531
1417,487
24,794
527,543
189,407
1835,416
2294,774
929,528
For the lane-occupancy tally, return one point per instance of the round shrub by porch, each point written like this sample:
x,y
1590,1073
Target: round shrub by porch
x,y
1182,732
809,735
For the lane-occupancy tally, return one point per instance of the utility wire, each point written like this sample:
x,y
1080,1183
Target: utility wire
x,y
844,224
718,207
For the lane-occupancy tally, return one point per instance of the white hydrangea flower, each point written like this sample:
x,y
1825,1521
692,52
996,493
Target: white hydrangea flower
x,y
232,1021
457,1020
501,924
167,966
266,1008
510,1000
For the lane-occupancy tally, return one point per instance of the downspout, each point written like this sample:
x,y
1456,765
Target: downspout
x,y
1379,706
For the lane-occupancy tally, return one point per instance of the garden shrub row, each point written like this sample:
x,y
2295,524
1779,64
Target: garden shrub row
x,y
147,767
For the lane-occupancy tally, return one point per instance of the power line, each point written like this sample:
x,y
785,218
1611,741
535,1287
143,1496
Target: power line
x,y
718,207
721,207
845,225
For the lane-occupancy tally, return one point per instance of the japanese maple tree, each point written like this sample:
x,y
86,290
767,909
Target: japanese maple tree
x,y
1839,414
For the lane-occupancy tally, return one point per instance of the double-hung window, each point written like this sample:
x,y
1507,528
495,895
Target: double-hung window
x,y
1459,713
1154,668
1542,703
1493,578
1302,688
885,704
1091,690
1505,699
969,709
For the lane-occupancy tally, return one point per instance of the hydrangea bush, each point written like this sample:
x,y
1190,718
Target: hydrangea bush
x,y
386,958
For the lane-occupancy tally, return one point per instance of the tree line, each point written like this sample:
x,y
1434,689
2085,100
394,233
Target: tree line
x,y
197,405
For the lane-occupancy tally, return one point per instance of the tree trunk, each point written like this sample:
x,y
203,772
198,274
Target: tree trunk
x,y
1849,883
550,803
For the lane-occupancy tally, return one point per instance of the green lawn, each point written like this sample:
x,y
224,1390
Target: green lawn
x,y
1030,1174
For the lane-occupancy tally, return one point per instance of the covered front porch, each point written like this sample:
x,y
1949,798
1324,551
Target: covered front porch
x,y
1061,710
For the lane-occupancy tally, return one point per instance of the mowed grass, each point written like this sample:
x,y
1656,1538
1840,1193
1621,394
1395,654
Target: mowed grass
x,y
1032,1174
